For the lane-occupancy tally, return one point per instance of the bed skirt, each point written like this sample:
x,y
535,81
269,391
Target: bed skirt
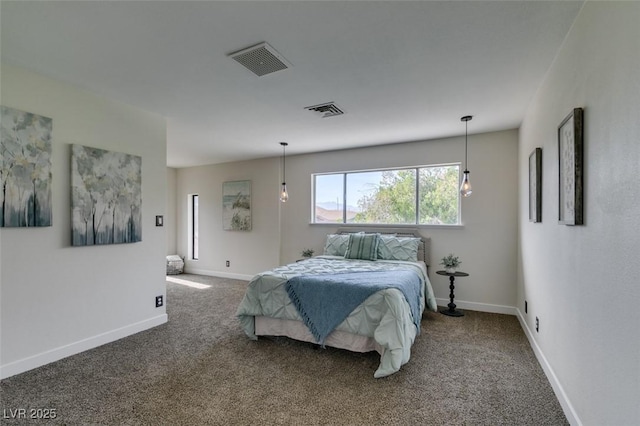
x,y
267,326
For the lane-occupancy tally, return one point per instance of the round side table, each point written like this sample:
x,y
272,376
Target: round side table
x,y
452,311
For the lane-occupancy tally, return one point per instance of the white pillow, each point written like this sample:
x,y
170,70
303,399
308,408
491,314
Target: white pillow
x,y
391,247
336,244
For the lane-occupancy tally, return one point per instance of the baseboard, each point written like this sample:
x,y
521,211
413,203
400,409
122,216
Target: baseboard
x,y
482,307
35,361
218,274
567,407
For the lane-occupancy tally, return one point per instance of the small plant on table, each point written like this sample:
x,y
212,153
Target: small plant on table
x,y
450,263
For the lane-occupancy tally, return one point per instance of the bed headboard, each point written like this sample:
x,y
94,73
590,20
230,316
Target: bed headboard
x,y
424,249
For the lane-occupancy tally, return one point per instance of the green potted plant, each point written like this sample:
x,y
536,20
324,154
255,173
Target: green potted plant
x,y
450,263
307,253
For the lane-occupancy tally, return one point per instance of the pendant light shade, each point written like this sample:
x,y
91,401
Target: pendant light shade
x,y
465,187
284,195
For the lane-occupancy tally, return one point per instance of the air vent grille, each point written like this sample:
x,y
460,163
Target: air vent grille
x,y
328,109
261,59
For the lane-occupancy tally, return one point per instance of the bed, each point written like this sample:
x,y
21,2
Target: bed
x,y
386,321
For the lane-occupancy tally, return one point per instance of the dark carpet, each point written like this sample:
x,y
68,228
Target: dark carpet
x,y
200,368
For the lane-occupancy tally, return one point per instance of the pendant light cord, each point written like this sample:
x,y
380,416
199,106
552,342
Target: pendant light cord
x,y
465,187
466,120
284,162
466,127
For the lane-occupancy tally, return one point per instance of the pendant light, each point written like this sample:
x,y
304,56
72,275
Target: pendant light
x,y
465,188
284,195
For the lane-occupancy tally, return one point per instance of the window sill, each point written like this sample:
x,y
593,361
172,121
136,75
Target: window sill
x,y
372,225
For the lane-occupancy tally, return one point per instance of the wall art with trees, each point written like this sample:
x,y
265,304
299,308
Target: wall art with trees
x,y
25,169
106,197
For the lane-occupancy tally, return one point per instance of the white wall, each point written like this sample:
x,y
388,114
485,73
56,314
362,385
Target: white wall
x,y
582,281
57,300
248,252
487,243
170,219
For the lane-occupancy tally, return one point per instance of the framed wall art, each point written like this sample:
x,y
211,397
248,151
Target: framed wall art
x,y
570,166
236,205
25,169
535,185
106,197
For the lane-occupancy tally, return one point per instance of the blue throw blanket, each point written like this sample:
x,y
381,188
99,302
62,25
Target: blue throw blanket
x,y
324,301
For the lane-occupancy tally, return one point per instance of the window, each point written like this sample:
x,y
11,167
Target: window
x,y
420,195
329,204
194,225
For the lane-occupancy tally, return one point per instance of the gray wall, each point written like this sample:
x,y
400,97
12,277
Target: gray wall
x,y
582,281
248,252
486,242
57,300
170,219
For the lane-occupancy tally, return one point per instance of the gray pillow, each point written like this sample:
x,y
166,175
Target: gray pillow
x,y
336,244
362,246
398,248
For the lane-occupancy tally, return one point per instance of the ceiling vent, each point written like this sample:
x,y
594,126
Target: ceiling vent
x,y
326,110
261,59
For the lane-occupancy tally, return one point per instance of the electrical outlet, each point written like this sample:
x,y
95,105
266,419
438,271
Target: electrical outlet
x,y
537,325
159,301
228,263
525,307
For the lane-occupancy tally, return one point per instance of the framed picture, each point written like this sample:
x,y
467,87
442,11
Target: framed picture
x,y
535,185
236,205
25,169
570,166
106,197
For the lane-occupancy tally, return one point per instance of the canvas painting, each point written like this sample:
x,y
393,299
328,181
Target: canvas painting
x,y
106,197
570,208
535,185
25,168
236,205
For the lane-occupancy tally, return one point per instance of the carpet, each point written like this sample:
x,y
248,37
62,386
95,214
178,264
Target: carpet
x,y
200,368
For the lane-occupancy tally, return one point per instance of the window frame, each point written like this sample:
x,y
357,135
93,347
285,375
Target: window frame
x,y
458,224
194,226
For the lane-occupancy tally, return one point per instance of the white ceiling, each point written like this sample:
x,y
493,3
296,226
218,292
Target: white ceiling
x,y
402,71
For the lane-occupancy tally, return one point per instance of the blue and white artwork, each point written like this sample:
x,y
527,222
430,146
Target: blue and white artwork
x,y
106,197
25,168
